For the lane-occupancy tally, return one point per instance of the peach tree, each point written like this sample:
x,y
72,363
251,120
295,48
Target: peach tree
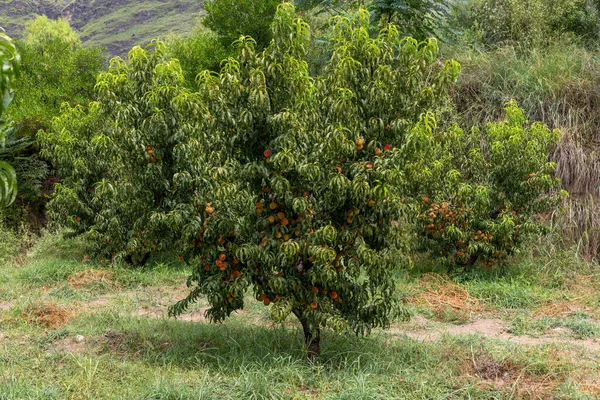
x,y
481,200
312,212
127,159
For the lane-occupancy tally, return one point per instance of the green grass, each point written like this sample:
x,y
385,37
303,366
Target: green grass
x,y
131,350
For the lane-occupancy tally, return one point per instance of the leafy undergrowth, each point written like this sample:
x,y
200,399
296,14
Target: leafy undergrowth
x,y
70,328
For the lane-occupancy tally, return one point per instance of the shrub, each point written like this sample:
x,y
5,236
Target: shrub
x,y
303,188
9,244
482,205
129,157
528,23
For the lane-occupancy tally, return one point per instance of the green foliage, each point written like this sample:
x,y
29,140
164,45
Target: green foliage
x,y
231,19
56,69
529,22
10,61
321,161
128,159
9,245
487,189
303,188
41,31
30,170
418,18
202,50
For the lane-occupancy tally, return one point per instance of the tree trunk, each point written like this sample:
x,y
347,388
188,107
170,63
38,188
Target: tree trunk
x,y
311,339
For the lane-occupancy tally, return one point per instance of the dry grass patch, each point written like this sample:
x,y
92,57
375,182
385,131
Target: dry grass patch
x,y
49,316
439,293
558,308
522,380
90,277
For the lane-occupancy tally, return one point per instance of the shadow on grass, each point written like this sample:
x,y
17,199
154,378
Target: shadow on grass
x,y
237,345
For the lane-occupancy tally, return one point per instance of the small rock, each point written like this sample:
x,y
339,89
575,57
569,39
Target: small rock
x,y
79,338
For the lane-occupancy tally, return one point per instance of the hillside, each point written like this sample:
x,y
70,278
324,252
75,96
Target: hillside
x,y
116,25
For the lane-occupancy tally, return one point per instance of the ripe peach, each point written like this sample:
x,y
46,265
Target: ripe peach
x,y
333,295
387,147
222,257
313,305
267,153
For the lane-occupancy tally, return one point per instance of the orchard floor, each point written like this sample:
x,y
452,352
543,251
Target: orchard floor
x,y
71,329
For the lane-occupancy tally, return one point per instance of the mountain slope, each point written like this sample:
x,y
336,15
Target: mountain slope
x,y
117,25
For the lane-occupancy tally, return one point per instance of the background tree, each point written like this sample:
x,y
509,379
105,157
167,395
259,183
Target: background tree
x,y
231,19
202,50
417,18
56,69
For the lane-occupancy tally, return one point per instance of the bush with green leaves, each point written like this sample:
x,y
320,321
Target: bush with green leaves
x,y
483,199
131,157
10,62
201,50
526,22
264,178
417,18
231,19
56,68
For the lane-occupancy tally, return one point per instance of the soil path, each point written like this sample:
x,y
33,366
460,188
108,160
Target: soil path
x,y
490,328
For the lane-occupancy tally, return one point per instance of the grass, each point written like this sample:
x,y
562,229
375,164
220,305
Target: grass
x,y
73,329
